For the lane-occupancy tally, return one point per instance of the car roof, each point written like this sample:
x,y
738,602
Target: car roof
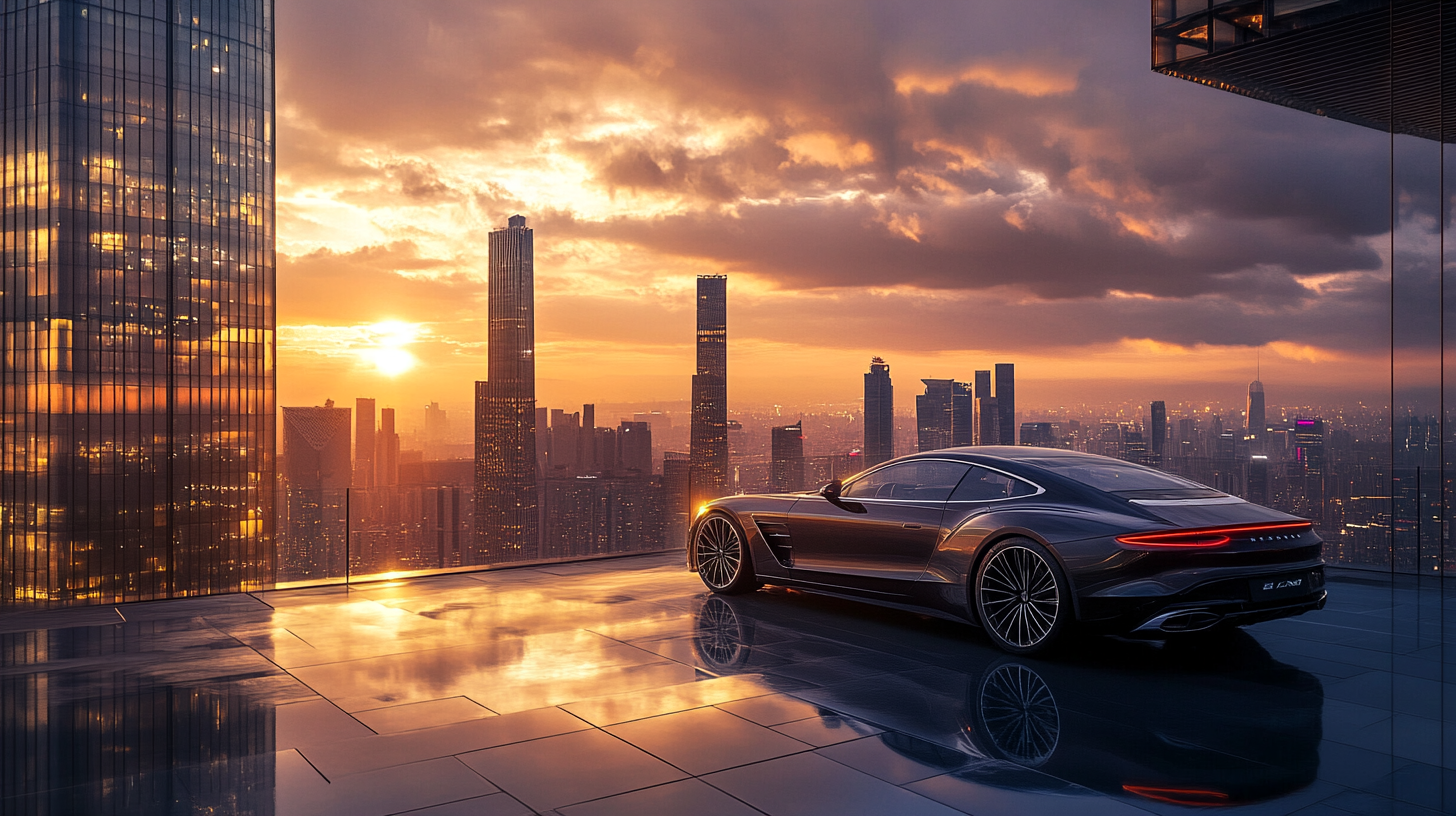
x,y
1014,453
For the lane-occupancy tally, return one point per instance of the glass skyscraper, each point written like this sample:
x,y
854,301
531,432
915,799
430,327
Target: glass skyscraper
x,y
879,414
137,316
506,503
709,442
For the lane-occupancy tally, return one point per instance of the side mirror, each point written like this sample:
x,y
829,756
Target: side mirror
x,y
831,490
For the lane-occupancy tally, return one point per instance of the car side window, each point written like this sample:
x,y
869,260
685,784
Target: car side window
x,y
908,481
981,484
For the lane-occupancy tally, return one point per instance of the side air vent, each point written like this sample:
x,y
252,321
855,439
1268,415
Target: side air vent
x,y
776,535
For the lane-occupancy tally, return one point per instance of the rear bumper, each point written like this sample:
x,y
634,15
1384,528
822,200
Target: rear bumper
x,y
1223,601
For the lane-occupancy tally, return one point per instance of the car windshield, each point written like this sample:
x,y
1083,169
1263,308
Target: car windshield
x,y
1122,478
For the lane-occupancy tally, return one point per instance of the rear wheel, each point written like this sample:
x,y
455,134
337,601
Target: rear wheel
x,y
721,552
1021,596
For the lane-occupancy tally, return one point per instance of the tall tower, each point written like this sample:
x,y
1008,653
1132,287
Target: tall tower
x,y
1006,401
879,414
1257,427
506,520
708,444
137,320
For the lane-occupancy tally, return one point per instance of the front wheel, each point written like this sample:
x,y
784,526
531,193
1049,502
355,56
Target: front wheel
x,y
1021,596
721,552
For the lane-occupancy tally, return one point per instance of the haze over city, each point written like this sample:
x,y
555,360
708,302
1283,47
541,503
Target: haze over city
x,y
966,184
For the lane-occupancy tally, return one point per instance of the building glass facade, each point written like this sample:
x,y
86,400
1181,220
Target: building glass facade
x,y
506,503
879,414
137,320
709,442
1383,499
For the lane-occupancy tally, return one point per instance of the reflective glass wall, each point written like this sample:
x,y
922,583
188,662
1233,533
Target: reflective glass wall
x,y
136,327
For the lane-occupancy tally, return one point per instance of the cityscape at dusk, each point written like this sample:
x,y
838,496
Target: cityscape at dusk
x,y
829,407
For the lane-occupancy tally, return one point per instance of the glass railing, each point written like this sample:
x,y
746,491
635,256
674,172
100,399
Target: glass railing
x,y
368,534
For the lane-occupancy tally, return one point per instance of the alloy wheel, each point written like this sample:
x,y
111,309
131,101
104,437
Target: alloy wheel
x,y
720,552
1019,597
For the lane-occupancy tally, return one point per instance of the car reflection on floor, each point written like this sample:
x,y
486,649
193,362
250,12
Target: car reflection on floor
x,y
1208,723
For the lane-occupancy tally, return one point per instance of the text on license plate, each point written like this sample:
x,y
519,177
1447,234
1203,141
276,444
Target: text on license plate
x,y
1280,586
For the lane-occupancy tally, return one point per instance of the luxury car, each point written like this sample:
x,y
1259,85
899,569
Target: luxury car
x,y
1027,543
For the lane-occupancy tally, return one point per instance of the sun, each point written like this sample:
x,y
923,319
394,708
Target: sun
x,y
392,362
386,349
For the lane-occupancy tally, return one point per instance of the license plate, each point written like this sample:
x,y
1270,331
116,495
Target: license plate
x,y
1291,585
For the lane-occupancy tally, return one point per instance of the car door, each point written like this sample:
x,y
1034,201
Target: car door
x,y
879,534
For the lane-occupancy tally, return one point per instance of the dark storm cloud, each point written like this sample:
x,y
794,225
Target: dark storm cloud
x,y
1028,146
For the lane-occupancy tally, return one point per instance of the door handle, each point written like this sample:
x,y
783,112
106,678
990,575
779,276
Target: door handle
x,y
907,525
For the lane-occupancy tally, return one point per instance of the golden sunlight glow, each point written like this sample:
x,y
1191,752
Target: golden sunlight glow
x,y
387,353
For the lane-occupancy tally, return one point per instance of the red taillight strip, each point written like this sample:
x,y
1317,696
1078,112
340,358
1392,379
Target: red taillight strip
x,y
1179,796
1207,536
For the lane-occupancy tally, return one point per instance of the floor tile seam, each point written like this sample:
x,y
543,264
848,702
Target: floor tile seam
x,y
405,652
807,749
459,754
820,751
776,725
492,711
305,684
852,770
663,785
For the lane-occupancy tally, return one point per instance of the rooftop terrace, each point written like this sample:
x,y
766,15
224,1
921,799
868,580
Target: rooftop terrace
x,y
621,687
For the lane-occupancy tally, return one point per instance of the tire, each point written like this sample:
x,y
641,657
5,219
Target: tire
x,y
720,549
1021,598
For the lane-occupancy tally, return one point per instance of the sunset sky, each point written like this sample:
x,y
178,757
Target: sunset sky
x,y
946,184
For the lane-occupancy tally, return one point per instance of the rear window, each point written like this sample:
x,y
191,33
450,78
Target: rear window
x,y
1124,478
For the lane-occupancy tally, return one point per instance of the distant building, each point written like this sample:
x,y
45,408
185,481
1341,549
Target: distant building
x,y
676,498
316,478
437,431
1257,427
564,443
1006,401
963,414
788,458
709,441
634,447
364,430
1258,483
988,421
386,451
879,414
1158,430
506,503
935,415
1038,435
595,515
983,389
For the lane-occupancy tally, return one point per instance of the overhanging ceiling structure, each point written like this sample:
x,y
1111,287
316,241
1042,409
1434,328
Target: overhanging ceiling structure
x,y
1382,64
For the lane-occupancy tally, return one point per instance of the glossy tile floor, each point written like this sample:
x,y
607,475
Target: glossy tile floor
x,y
620,687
